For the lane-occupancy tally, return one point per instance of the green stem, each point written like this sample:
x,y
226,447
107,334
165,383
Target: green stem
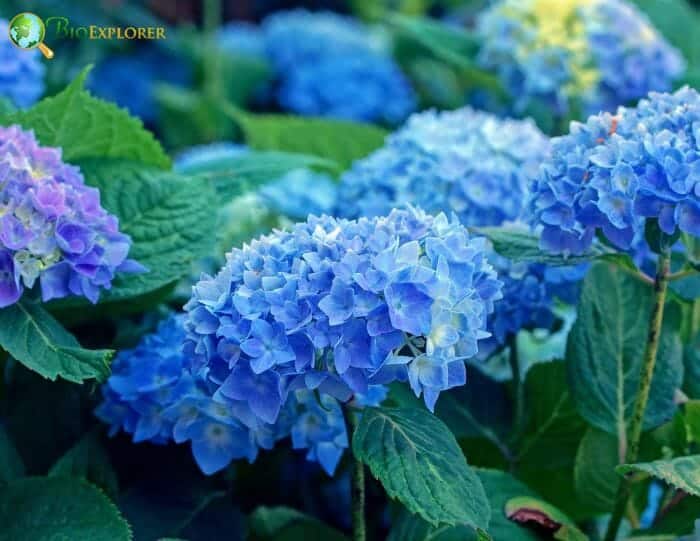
x,y
357,485
518,387
647,373
211,60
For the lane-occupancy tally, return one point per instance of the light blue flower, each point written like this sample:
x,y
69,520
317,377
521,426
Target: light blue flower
x,y
614,172
599,53
21,72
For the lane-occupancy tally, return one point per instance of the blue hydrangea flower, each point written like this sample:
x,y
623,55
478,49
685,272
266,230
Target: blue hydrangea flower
x,y
613,172
153,396
53,230
476,166
21,72
465,161
331,65
300,193
603,53
336,306
130,81
241,38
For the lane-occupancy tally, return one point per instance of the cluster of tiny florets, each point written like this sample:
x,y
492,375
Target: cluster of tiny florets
x,y
52,228
153,396
337,306
21,73
331,65
477,167
465,161
615,171
601,53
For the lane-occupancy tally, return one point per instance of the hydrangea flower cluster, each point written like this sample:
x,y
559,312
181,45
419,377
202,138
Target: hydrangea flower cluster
x,y
130,80
21,72
330,65
336,306
465,161
615,171
153,396
604,53
476,166
52,227
299,193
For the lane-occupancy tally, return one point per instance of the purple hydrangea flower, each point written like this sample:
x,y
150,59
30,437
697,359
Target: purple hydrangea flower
x,y
331,65
53,230
603,53
21,72
613,172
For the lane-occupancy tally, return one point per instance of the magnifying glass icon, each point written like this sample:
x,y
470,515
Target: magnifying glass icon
x,y
27,31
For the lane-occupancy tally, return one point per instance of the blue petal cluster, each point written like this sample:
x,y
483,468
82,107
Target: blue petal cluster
x,y
300,193
475,166
330,65
153,395
613,172
130,80
21,72
336,306
602,53
465,161
52,228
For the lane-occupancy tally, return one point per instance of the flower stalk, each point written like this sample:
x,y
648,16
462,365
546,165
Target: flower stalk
x,y
357,483
647,373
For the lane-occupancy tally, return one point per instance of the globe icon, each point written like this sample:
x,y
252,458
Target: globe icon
x,y
27,30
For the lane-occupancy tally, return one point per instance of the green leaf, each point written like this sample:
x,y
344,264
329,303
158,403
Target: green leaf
x,y
606,348
286,524
687,288
546,451
88,460
234,177
449,44
691,417
678,519
340,141
594,473
11,465
171,220
157,507
418,461
528,510
87,127
691,361
33,337
682,472
58,509
518,244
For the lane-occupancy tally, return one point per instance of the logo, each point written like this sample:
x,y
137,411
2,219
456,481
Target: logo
x,y
62,29
27,31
